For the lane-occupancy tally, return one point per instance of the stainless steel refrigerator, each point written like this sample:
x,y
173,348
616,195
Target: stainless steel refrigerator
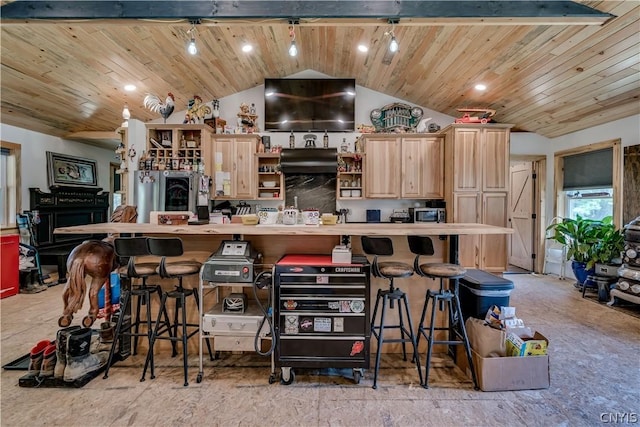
x,y
169,191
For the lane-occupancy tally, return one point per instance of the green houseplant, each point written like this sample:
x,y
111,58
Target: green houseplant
x,y
586,241
610,244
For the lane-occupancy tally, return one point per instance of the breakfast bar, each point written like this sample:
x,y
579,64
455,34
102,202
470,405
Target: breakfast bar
x,y
274,241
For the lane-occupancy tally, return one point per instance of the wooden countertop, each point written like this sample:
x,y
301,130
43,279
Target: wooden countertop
x,y
359,229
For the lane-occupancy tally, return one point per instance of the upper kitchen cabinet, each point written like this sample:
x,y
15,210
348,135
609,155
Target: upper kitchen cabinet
x,y
479,156
178,147
408,167
350,176
422,164
234,166
270,179
381,166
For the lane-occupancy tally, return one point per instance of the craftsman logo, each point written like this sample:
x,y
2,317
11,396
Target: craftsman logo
x,y
296,269
356,348
347,270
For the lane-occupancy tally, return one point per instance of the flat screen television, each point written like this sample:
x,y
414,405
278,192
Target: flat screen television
x,y
302,105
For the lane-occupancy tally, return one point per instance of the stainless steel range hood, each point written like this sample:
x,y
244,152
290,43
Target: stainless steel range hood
x,y
309,161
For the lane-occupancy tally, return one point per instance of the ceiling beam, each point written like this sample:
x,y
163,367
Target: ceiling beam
x,y
419,12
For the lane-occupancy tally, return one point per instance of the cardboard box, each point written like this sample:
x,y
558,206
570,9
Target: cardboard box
x,y
517,346
511,373
507,373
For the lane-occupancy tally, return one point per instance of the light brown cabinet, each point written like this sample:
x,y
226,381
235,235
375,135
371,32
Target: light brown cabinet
x,y
234,166
422,164
476,189
269,178
408,167
350,180
178,147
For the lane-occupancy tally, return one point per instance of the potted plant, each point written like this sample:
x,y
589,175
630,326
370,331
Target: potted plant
x,y
580,237
609,247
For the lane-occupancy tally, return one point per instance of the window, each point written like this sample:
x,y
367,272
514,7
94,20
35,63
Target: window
x,y
587,181
589,203
9,187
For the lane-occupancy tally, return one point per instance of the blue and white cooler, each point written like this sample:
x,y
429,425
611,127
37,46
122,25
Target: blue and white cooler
x,y
480,290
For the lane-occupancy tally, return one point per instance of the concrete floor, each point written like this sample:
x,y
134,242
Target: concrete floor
x,y
594,367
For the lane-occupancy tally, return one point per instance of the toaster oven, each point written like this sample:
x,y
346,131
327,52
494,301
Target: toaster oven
x,y
429,215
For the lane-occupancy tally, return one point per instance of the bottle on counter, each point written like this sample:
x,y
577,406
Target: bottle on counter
x,y
325,140
292,140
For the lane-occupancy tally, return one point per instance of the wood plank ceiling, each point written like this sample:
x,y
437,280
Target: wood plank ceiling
x,y
67,77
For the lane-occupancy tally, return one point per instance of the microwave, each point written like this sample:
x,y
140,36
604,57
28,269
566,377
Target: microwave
x,y
429,215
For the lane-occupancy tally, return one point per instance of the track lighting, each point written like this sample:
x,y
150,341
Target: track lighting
x,y
393,44
293,48
191,47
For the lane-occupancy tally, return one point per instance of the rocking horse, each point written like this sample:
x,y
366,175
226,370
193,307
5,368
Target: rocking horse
x,y
94,258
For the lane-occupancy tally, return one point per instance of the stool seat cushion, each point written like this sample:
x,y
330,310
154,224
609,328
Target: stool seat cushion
x,y
395,269
183,268
443,270
143,269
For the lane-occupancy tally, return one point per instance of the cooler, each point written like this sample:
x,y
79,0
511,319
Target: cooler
x,y
480,290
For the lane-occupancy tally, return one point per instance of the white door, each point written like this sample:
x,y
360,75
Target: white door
x,y
521,212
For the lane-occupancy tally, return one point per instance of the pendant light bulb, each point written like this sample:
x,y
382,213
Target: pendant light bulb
x,y
393,45
126,114
192,48
293,49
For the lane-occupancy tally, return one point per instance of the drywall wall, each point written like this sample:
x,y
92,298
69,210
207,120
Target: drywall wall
x,y
34,147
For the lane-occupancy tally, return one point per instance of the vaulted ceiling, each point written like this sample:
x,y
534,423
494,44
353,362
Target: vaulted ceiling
x,y
66,77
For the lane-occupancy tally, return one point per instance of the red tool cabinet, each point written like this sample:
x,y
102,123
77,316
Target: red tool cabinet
x,y
9,264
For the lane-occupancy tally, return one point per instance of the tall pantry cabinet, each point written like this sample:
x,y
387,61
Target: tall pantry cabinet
x,y
477,188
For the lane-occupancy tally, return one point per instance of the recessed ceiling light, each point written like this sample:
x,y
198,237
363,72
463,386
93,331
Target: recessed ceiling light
x,y
130,88
481,86
247,47
362,48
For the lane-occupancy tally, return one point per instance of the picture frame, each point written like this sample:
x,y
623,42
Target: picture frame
x,y
71,171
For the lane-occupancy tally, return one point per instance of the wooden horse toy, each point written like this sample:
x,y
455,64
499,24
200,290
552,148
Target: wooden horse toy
x,y
94,258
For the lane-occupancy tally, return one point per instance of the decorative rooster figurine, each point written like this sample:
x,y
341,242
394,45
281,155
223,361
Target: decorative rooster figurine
x,y
153,103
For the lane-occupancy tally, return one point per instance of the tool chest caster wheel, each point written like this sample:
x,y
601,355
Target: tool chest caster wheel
x,y
199,378
357,375
287,376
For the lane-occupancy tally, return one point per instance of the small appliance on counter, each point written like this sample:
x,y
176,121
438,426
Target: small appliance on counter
x,y
400,216
373,215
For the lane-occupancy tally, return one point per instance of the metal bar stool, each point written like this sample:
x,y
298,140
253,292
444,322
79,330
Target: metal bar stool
x,y
383,246
132,247
172,247
423,245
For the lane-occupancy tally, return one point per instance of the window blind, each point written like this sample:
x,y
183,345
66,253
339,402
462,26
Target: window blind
x,y
588,170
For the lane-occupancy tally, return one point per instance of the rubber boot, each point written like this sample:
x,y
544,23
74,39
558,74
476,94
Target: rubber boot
x,y
107,330
80,360
49,361
61,350
36,355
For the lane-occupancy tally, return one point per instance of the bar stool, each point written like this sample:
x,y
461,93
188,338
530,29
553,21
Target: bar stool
x,y
383,246
423,245
132,247
172,247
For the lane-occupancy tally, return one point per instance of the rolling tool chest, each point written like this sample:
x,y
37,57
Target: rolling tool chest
x,y
321,314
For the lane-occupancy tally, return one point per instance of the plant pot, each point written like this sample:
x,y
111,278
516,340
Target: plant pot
x,y
580,272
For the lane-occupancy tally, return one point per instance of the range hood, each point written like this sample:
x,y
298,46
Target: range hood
x,y
309,161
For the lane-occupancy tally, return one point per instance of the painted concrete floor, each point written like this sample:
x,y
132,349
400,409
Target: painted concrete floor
x,y
594,368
